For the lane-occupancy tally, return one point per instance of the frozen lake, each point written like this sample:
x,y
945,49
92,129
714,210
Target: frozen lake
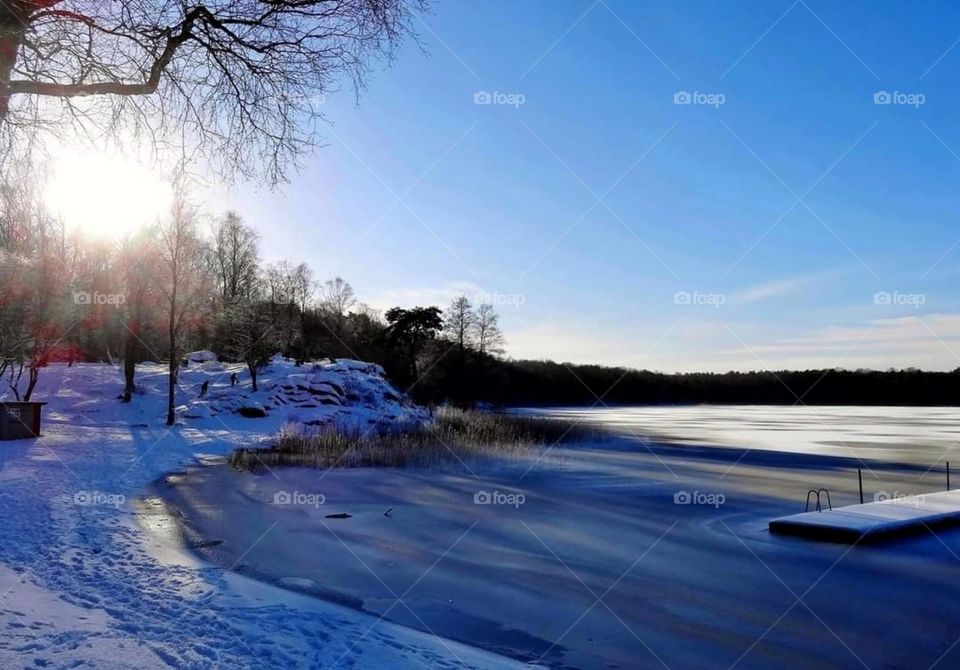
x,y
620,555
919,435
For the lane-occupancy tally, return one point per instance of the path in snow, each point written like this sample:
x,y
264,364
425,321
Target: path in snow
x,y
82,587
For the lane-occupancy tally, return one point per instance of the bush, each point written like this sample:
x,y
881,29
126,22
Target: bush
x,y
453,435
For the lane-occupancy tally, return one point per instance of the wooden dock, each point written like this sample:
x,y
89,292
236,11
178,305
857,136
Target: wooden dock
x,y
852,523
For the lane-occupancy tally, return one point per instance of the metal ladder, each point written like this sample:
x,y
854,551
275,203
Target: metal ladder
x,y
816,493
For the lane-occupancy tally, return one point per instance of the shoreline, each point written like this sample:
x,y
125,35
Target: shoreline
x,y
192,541
94,583
513,579
187,540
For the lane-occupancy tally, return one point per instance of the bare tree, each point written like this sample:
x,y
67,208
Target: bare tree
x,y
289,285
38,262
183,285
251,336
336,301
138,261
278,283
487,334
302,286
235,257
239,79
458,324
285,288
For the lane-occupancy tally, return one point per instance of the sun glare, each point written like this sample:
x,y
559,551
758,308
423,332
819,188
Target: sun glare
x,y
106,194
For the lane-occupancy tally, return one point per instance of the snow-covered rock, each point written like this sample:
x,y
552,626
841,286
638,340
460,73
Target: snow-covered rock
x,y
201,356
252,410
345,394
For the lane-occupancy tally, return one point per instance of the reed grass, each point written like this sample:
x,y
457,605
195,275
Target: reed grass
x,y
452,435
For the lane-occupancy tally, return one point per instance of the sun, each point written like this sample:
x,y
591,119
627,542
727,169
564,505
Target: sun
x,y
105,194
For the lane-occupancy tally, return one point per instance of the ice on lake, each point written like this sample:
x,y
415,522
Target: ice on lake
x,y
902,434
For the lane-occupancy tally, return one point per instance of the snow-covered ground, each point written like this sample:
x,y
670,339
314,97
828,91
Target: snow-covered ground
x,y
87,579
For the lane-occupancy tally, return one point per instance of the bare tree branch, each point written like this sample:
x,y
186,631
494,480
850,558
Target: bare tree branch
x,y
236,81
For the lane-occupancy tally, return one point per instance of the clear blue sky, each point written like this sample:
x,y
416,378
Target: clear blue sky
x,y
693,258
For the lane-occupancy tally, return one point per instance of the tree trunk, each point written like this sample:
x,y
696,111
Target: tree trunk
x,y
130,352
413,364
253,375
15,383
129,365
174,363
12,29
34,374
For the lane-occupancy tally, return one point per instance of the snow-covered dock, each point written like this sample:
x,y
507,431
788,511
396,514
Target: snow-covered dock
x,y
901,514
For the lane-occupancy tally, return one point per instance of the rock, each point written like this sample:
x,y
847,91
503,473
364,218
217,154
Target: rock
x,y
201,356
198,411
252,412
206,545
323,388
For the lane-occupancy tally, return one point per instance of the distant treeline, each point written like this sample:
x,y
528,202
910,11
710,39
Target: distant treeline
x,y
542,383
174,288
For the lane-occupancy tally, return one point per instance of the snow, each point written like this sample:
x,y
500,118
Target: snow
x,y
202,356
881,517
881,433
91,576
342,394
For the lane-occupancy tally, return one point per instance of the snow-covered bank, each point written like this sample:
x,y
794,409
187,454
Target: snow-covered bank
x,y
82,584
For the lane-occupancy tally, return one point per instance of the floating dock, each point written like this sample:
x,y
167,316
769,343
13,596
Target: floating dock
x,y
852,523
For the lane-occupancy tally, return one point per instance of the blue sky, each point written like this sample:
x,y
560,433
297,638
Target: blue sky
x,y
784,219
